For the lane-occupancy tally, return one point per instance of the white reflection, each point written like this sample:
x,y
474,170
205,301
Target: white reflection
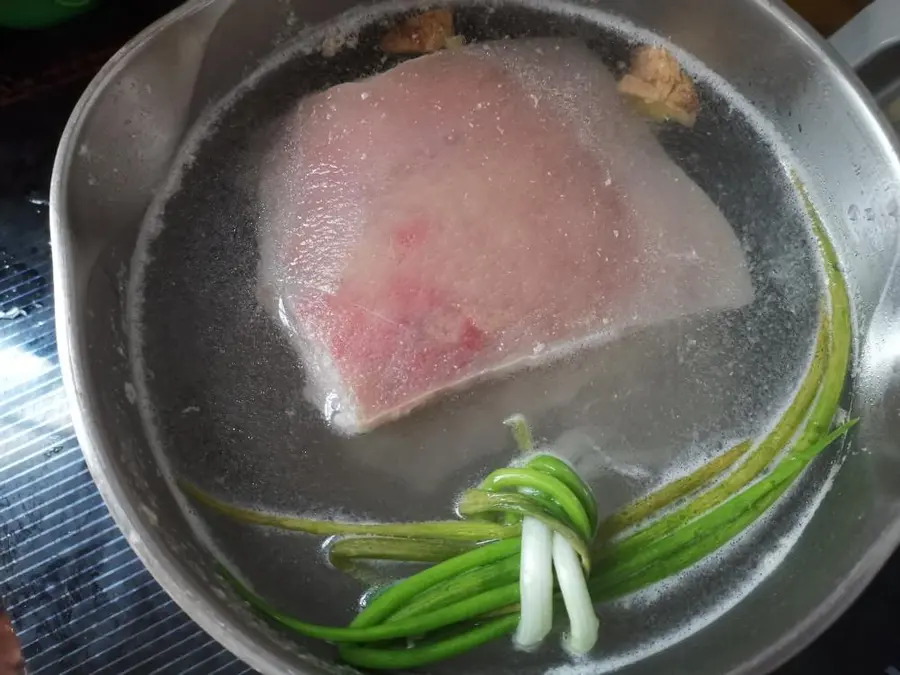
x,y
18,367
29,400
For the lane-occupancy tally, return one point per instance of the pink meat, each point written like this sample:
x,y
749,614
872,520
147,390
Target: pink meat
x,y
473,211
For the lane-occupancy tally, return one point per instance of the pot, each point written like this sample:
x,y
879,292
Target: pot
x,y
126,134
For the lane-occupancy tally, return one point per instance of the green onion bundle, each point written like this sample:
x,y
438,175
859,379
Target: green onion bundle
x,y
530,544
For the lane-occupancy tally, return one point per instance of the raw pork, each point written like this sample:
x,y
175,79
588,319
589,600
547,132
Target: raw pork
x,y
474,211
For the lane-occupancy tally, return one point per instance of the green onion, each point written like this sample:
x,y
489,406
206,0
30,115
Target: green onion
x,y
343,551
413,657
487,577
398,595
555,467
583,623
535,590
452,530
478,502
756,462
409,627
678,489
555,490
493,569
704,535
521,432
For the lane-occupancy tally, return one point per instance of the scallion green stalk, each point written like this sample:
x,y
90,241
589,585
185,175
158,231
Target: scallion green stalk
x,y
447,530
483,583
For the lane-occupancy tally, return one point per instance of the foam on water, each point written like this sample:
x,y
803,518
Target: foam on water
x,y
224,446
644,600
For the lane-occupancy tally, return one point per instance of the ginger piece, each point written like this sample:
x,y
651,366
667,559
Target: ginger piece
x,y
659,87
421,34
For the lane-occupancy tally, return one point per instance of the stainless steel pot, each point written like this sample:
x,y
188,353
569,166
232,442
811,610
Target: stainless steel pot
x,y
122,140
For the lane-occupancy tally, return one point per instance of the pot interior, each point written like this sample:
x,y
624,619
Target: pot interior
x,y
206,386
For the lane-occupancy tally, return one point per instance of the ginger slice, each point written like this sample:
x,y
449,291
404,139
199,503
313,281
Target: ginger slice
x,y
659,87
421,34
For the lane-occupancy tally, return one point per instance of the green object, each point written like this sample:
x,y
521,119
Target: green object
x,y
558,495
762,455
449,530
670,493
32,14
464,601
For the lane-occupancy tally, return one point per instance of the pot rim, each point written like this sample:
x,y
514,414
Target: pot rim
x,y
184,589
187,592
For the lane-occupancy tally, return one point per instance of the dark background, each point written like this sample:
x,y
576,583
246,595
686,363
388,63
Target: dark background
x,y
79,600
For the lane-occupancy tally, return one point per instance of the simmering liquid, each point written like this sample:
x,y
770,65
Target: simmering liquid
x,y
221,388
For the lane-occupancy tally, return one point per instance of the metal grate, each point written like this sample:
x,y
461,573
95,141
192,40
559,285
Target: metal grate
x,y
79,599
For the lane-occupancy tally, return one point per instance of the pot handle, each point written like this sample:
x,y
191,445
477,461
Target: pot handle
x,y
869,33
